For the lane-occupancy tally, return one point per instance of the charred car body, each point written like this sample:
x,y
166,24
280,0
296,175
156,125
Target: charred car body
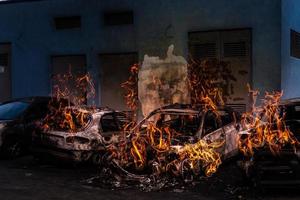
x,y
159,143
17,122
198,122
270,169
80,135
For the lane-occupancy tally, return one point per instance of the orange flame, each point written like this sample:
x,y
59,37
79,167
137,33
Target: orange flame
x,y
194,157
74,90
265,126
131,90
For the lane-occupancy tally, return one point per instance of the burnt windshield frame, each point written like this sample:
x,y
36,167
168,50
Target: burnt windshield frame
x,y
199,114
117,127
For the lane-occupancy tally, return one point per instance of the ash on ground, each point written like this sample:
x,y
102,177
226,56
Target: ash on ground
x,y
227,183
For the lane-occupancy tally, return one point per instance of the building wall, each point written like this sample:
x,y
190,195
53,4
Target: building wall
x,y
290,78
157,24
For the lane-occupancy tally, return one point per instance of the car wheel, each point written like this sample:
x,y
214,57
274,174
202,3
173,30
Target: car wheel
x,y
97,159
11,148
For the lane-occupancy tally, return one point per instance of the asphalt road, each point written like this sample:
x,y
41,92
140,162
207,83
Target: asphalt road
x,y
27,179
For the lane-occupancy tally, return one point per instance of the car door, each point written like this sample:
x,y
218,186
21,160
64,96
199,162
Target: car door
x,y
212,130
229,124
231,140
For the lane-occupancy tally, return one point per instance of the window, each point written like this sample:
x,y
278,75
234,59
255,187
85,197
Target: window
x,y
235,49
211,123
206,50
295,44
231,46
118,18
4,57
185,123
75,65
5,72
112,95
72,22
109,124
123,119
292,112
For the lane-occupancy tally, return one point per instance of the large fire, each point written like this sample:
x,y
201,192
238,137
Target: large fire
x,y
264,126
158,150
69,91
153,148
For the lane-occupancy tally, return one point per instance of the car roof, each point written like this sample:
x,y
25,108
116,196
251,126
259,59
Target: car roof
x,y
291,101
95,110
187,108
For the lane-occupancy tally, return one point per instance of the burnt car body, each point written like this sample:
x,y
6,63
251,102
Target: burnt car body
x,y
17,122
198,122
283,169
86,142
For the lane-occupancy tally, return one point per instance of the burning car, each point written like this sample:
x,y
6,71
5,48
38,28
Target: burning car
x,y
17,122
197,122
178,138
78,134
273,165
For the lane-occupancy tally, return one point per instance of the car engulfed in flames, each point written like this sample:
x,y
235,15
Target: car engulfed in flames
x,y
80,135
180,140
271,147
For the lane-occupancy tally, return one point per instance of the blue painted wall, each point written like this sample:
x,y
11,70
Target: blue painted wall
x,y
290,66
158,23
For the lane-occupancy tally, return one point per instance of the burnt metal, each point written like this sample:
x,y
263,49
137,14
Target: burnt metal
x,y
86,144
16,131
283,169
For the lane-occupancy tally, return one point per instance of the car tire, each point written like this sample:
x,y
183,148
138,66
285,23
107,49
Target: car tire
x,y
96,159
11,148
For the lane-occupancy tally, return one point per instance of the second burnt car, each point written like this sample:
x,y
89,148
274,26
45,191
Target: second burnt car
x,y
198,122
281,169
78,134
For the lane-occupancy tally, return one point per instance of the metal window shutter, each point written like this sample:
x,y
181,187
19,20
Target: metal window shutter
x,y
206,50
204,45
235,49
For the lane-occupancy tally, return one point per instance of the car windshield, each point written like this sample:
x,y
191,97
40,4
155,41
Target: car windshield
x,y
293,112
12,110
180,122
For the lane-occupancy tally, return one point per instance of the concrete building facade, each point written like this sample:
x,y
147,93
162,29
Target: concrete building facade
x,y
29,27
290,71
